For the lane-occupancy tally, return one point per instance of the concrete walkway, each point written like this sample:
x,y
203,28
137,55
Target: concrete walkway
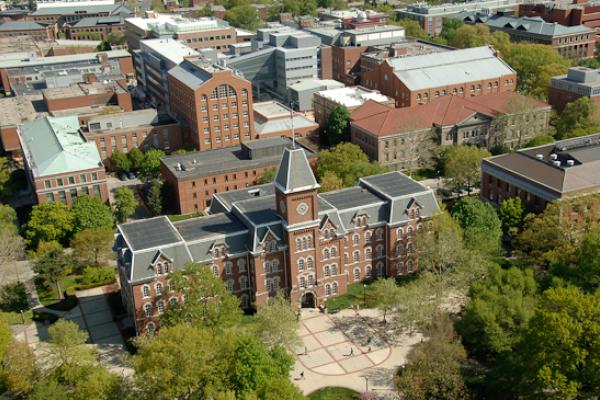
x,y
349,349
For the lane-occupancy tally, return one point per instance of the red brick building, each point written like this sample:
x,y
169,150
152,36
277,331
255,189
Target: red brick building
x,y
579,82
578,12
91,94
417,80
18,29
309,246
60,164
194,178
213,102
94,28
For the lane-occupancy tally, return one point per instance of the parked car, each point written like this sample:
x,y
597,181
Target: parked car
x,y
122,176
131,175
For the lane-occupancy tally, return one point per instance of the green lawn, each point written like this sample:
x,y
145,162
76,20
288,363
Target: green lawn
x,y
48,295
333,393
356,295
14,318
423,173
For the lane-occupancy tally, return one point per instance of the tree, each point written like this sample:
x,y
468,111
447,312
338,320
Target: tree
x,y
149,169
280,389
467,36
93,246
136,157
125,203
578,118
512,214
480,224
154,197
449,27
585,271
277,324
461,165
330,181
20,370
12,248
267,176
5,336
298,8
189,360
8,217
385,295
560,350
116,37
91,212
13,297
68,348
243,16
48,389
418,302
433,368
348,162
540,140
52,267
208,302
4,174
157,5
47,222
412,28
337,128
499,310
120,162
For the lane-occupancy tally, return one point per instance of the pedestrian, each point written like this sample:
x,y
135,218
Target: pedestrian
x,y
369,340
351,351
369,349
302,375
305,351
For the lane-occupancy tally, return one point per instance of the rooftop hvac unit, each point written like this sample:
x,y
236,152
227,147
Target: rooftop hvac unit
x,y
553,156
539,156
570,163
556,163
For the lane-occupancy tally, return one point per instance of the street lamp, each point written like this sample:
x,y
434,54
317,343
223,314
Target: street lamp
x,y
364,294
22,317
366,383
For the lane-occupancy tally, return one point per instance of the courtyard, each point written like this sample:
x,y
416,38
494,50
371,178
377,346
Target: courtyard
x,y
351,349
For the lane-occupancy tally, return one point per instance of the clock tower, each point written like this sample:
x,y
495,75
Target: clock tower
x,y
297,205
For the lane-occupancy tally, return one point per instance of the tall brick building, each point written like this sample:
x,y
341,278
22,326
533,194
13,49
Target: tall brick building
x,y
283,237
213,102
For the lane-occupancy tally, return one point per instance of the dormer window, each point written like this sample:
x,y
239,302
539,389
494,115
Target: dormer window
x,y
159,269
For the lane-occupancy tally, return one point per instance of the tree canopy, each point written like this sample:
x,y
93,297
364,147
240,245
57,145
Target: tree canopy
x,y
267,176
277,324
461,165
480,224
412,28
577,119
124,204
149,168
337,128
91,212
154,199
93,246
347,162
52,266
120,162
243,16
47,222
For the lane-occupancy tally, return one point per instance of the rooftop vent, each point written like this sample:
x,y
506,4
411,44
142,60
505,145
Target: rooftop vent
x,y
570,163
556,163
178,167
539,156
553,157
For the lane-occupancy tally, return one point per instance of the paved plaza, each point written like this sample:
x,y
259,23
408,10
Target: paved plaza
x,y
349,349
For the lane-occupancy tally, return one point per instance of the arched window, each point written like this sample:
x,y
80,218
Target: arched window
x,y
368,271
379,233
400,268
214,94
241,264
244,93
333,269
232,92
302,282
161,307
244,301
327,290
171,285
409,231
368,253
230,285
419,227
333,251
409,247
274,265
309,263
367,237
222,91
379,250
215,270
325,253
172,301
276,282
272,246
400,232
159,289
243,282
309,242
380,269
332,233
229,268
298,244
326,270
311,280
146,291
409,266
268,267
159,268
301,264
304,243
150,327
399,248
148,310
326,234
346,259
356,239
334,287
356,256
356,274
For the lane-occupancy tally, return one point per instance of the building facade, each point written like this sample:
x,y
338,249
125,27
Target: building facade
x,y
94,28
88,94
568,13
563,170
76,11
420,79
290,239
194,178
60,164
408,138
214,103
579,82
38,32
570,41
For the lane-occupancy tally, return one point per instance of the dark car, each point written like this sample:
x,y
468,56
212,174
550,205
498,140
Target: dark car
x,y
122,176
131,175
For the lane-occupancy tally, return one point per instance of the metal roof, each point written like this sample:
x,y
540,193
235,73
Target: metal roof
x,y
66,59
150,233
20,26
294,173
535,26
394,184
111,9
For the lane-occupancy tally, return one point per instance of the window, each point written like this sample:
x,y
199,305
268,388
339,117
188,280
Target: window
x,y
228,268
298,244
213,94
274,265
159,269
333,252
356,239
302,282
161,307
379,234
230,285
368,253
409,265
267,265
171,285
215,270
243,282
231,91
334,288
244,301
301,264
150,327
148,310
399,232
146,291
379,251
333,269
328,290
159,289
309,263
368,271
172,301
356,256
304,243
356,274
326,270
380,269
409,231
311,280
325,254
367,237
409,247
241,264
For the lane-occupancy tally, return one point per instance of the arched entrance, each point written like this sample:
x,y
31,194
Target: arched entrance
x,y
308,300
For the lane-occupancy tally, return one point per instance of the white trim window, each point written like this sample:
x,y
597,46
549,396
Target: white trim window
x,y
301,265
309,263
159,289
148,310
146,291
230,285
161,307
243,282
228,268
356,274
241,264
333,252
334,288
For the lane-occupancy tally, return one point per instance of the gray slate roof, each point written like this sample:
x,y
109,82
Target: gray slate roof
x,y
297,178
20,26
110,9
535,25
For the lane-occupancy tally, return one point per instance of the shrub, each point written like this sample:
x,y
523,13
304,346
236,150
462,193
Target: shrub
x,y
13,297
41,316
93,276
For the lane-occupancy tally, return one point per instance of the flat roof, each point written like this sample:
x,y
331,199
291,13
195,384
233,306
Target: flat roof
x,y
394,184
353,96
83,9
82,89
20,26
171,49
351,197
176,23
149,233
229,159
18,109
210,225
70,58
271,109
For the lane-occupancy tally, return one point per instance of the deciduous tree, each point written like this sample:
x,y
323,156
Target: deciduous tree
x,y
480,224
348,162
337,128
120,162
267,176
4,174
462,165
136,157
69,352
52,267
12,248
93,246
277,324
330,181
578,118
8,217
154,198
243,16
91,212
512,213
20,370
149,169
125,203
385,295
47,222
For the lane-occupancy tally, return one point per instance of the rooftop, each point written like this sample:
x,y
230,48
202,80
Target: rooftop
x,y
449,68
126,120
353,96
149,233
171,49
66,59
579,79
110,9
249,155
20,26
163,24
82,89
562,167
449,8
95,21
394,184
54,146
535,26
226,199
350,198
407,48
18,109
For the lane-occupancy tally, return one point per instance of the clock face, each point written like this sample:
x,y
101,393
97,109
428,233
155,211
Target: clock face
x,y
302,208
282,206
